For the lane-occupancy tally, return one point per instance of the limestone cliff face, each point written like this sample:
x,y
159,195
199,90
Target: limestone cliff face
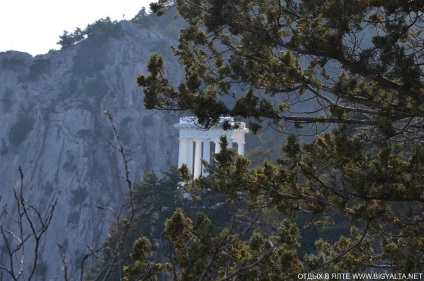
x,y
53,126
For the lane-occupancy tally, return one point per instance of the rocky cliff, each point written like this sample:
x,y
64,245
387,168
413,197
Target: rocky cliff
x,y
53,127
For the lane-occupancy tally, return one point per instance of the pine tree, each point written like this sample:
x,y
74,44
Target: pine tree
x,y
352,67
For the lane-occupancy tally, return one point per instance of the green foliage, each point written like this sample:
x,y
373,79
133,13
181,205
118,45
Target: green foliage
x,y
20,130
141,252
324,181
303,180
155,199
103,27
90,56
353,67
168,25
200,252
286,55
70,39
100,28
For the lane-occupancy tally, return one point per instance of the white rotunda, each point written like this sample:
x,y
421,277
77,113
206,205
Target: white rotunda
x,y
195,143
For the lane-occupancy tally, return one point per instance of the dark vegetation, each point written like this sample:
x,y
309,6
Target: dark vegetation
x,y
107,28
348,200
167,25
348,73
98,29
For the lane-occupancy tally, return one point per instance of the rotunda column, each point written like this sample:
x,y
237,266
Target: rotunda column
x,y
182,152
206,156
217,146
189,155
197,159
240,148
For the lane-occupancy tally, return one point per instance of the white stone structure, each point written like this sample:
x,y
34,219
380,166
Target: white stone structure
x,y
195,143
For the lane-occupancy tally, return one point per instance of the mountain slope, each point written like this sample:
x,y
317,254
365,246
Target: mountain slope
x,y
53,126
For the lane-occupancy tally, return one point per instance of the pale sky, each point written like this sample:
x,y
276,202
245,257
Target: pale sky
x,y
34,26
